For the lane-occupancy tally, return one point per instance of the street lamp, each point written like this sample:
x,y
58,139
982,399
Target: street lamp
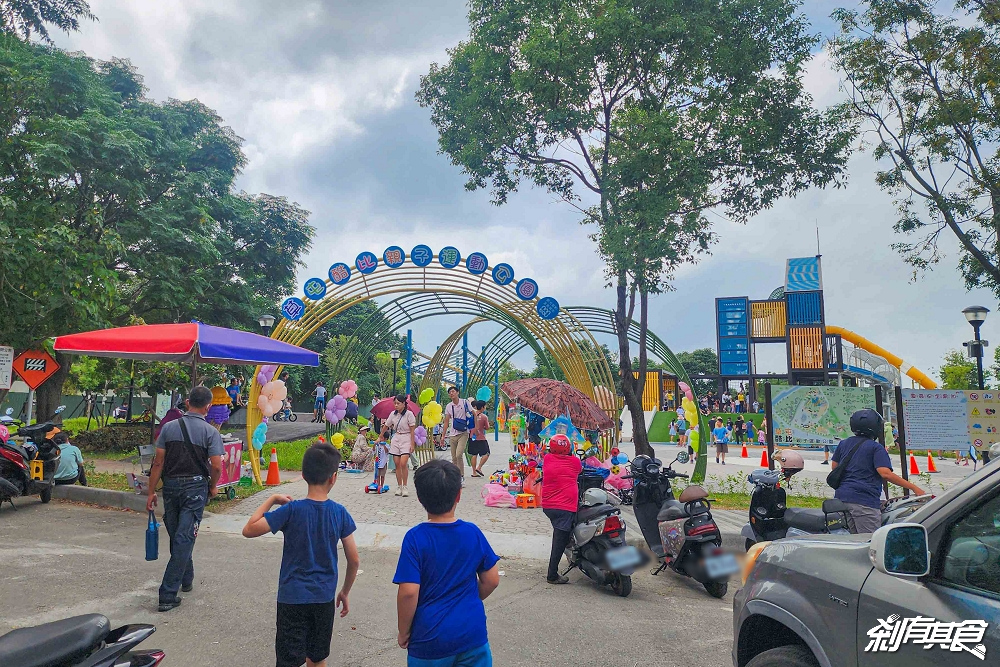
x,y
976,315
266,322
394,354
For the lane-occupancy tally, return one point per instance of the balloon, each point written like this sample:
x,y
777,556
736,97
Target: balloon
x,y
685,387
265,374
339,402
615,469
275,389
348,389
266,406
420,435
352,410
432,414
259,435
615,451
484,394
425,396
337,440
693,439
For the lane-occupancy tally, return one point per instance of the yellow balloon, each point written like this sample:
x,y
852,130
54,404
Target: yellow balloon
x,y
337,440
429,421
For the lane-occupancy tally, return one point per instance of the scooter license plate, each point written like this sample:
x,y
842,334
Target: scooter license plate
x,y
721,566
623,558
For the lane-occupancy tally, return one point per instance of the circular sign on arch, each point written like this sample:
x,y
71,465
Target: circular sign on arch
x,y
422,255
476,263
366,262
315,289
394,256
527,289
340,273
547,308
293,308
449,257
503,274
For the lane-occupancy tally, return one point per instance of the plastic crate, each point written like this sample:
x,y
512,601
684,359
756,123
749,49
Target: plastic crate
x,y
37,469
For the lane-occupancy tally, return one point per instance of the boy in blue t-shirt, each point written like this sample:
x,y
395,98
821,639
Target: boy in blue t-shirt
x,y
307,583
446,569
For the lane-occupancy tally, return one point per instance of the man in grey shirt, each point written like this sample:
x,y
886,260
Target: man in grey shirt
x,y
189,460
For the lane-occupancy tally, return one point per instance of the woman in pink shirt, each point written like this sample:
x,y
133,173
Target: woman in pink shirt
x,y
560,493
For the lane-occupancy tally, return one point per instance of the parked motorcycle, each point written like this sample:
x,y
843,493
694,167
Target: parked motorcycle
x,y
680,532
80,641
17,464
597,546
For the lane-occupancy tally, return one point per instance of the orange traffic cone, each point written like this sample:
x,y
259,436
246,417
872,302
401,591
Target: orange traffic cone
x,y
914,470
744,454
763,458
930,462
273,476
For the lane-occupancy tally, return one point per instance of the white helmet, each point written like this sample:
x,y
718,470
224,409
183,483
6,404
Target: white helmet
x,y
594,497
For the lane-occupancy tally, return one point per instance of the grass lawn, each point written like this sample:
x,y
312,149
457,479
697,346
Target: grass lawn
x,y
741,501
659,430
114,481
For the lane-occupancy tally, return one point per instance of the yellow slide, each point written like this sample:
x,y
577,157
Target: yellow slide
x,y
912,372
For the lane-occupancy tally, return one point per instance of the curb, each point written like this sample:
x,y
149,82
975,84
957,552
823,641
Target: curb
x,y
127,500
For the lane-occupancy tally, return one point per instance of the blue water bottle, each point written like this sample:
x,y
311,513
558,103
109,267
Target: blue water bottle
x,y
152,538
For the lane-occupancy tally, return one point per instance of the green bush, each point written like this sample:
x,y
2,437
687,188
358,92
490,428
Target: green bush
x,y
117,438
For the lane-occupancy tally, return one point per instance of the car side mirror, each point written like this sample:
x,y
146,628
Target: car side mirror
x,y
901,550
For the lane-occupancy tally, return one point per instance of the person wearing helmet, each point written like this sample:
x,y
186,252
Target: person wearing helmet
x,y
867,465
560,470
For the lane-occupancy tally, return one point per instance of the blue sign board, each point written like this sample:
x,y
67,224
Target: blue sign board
x,y
340,273
421,255
527,289
394,256
803,274
449,257
547,308
293,308
503,274
366,262
315,289
477,263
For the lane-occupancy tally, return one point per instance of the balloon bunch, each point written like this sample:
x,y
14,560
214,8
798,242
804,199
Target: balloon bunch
x,y
686,389
419,435
259,435
271,396
336,409
425,396
484,394
348,389
433,412
265,374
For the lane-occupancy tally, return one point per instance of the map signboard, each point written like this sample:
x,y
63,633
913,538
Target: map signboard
x,y
816,416
6,366
950,419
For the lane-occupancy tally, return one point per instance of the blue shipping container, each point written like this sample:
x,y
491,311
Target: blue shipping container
x,y
732,330
734,368
734,344
734,356
805,307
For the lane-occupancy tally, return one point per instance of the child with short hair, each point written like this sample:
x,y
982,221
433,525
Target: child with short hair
x,y
381,462
446,569
307,584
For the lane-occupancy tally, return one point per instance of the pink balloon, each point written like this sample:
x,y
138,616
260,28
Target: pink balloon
x,y
348,389
684,387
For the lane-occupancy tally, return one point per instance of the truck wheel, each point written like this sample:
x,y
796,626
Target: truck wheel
x,y
46,495
622,585
717,589
785,656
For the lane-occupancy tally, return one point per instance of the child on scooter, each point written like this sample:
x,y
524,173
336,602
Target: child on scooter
x,y
381,461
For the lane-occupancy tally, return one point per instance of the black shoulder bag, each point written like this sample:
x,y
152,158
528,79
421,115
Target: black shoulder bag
x,y
836,476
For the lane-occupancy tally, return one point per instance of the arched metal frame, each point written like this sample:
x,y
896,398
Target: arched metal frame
x,y
563,337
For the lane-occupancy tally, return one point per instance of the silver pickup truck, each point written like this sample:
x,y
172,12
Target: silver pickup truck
x,y
914,594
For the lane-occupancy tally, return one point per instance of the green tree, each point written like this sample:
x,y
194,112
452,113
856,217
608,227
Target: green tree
x,y
509,372
27,18
958,371
642,115
702,361
115,209
924,84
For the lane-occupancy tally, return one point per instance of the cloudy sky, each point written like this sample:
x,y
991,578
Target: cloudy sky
x,y
322,92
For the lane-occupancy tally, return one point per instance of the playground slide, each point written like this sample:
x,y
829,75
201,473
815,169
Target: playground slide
x,y
627,422
912,372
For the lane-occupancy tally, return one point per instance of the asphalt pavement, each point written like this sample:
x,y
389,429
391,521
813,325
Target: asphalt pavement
x,y
63,559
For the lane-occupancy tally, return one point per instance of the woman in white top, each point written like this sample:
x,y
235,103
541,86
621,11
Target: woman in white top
x,y
398,428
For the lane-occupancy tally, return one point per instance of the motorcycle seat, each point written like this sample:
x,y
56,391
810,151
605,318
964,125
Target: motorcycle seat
x,y
807,519
672,510
693,493
60,642
587,513
35,431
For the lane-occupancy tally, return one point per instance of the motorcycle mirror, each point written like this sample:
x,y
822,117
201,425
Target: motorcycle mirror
x,y
60,409
9,412
682,457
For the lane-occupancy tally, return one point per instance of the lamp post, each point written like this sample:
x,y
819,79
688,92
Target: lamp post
x,y
266,323
394,354
976,315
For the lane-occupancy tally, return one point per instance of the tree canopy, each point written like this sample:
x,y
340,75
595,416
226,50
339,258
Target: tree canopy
x,y
641,114
924,84
958,371
28,18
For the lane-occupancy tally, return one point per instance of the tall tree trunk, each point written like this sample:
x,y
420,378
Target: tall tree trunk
x,y
49,394
632,386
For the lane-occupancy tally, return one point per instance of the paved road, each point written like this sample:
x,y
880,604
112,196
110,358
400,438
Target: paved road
x,y
62,559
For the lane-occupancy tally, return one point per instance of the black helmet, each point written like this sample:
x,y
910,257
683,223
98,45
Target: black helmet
x,y
639,464
867,423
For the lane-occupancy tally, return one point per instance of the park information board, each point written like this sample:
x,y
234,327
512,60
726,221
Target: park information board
x,y
6,366
816,416
950,419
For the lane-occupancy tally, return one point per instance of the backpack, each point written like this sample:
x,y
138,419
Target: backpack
x,y
461,425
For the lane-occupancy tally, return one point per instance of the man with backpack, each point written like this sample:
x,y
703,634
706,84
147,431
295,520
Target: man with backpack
x,y
458,417
860,463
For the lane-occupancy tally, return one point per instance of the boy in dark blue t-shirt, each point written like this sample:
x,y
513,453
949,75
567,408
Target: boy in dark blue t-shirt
x,y
446,569
307,584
